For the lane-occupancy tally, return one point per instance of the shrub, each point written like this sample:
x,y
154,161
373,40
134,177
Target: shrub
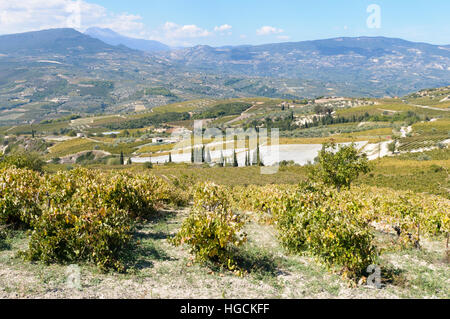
x,y
156,191
74,234
85,158
423,157
441,145
2,236
148,165
139,196
87,217
26,160
392,147
81,215
338,238
128,194
211,197
336,226
332,230
19,197
406,219
212,230
269,201
436,168
339,167
287,163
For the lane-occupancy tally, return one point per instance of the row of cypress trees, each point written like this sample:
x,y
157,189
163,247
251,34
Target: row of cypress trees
x,y
203,155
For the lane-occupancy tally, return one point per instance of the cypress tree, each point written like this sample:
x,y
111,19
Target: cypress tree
x,y
221,160
235,161
258,156
203,153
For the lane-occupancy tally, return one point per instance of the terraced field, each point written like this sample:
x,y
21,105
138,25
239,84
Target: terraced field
x,y
415,143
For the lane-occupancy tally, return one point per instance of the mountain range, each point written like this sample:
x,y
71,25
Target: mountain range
x,y
113,38
47,72
367,61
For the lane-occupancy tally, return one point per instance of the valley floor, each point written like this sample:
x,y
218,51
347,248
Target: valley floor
x,y
160,270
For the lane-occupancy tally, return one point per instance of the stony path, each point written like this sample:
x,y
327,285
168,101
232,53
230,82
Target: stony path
x,y
428,107
243,116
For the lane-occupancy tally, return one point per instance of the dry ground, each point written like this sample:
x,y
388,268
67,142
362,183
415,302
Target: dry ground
x,y
159,270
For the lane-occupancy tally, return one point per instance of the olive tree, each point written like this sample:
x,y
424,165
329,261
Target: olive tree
x,y
339,166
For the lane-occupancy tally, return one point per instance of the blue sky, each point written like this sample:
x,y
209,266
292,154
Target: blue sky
x,y
232,22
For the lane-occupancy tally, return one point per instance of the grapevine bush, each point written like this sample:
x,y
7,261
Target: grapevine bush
x,y
24,159
338,226
89,216
20,197
409,214
212,230
328,228
67,234
81,215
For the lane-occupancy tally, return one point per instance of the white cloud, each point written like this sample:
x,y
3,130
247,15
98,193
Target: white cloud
x,y
32,15
223,28
268,30
174,31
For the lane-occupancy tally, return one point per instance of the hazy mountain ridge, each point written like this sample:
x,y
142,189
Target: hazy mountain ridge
x,y
113,38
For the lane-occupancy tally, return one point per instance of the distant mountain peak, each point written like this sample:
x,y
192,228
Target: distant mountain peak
x,y
62,40
101,31
113,38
